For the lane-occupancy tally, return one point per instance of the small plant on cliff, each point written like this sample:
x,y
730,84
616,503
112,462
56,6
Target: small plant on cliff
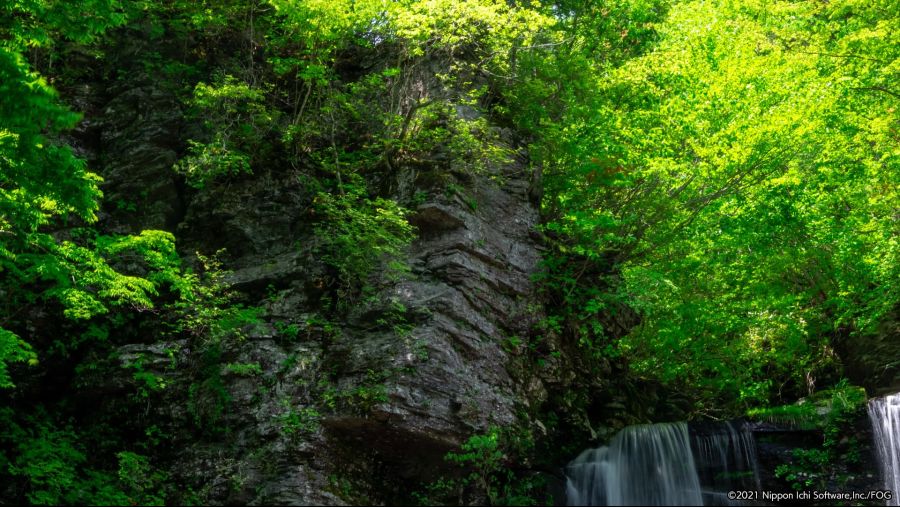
x,y
482,455
298,420
207,310
358,233
487,477
237,123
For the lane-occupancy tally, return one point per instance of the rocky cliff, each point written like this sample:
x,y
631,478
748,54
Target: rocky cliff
x,y
355,405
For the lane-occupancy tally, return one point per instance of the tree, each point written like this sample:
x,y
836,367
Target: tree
x,y
738,176
47,194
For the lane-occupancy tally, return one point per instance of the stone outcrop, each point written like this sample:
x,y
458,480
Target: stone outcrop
x,y
339,406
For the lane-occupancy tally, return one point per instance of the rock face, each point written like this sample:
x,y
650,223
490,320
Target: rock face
x,y
339,410
132,136
872,360
469,294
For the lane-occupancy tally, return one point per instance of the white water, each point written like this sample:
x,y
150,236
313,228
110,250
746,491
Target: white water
x,y
725,456
885,415
643,465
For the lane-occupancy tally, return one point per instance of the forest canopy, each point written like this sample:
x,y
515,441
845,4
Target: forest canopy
x,y
742,173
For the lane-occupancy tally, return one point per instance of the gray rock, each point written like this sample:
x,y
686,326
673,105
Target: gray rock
x,y
364,393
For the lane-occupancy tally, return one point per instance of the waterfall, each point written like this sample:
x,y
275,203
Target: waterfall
x,y
643,465
667,464
885,416
725,456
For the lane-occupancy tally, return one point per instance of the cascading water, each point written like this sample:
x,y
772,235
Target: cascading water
x,y
725,456
643,465
666,464
885,415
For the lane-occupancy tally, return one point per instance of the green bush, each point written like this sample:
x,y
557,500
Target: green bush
x,y
357,234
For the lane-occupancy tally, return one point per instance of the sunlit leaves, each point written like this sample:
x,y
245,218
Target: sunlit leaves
x,y
739,173
12,350
46,192
236,120
34,172
37,23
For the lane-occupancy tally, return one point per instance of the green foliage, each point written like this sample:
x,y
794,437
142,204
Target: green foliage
x,y
347,488
315,30
208,396
835,412
39,23
719,182
207,309
206,161
51,464
44,186
299,421
486,477
808,469
357,234
289,331
140,479
147,381
730,184
802,416
56,468
13,350
362,397
238,120
244,369
385,118
481,454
